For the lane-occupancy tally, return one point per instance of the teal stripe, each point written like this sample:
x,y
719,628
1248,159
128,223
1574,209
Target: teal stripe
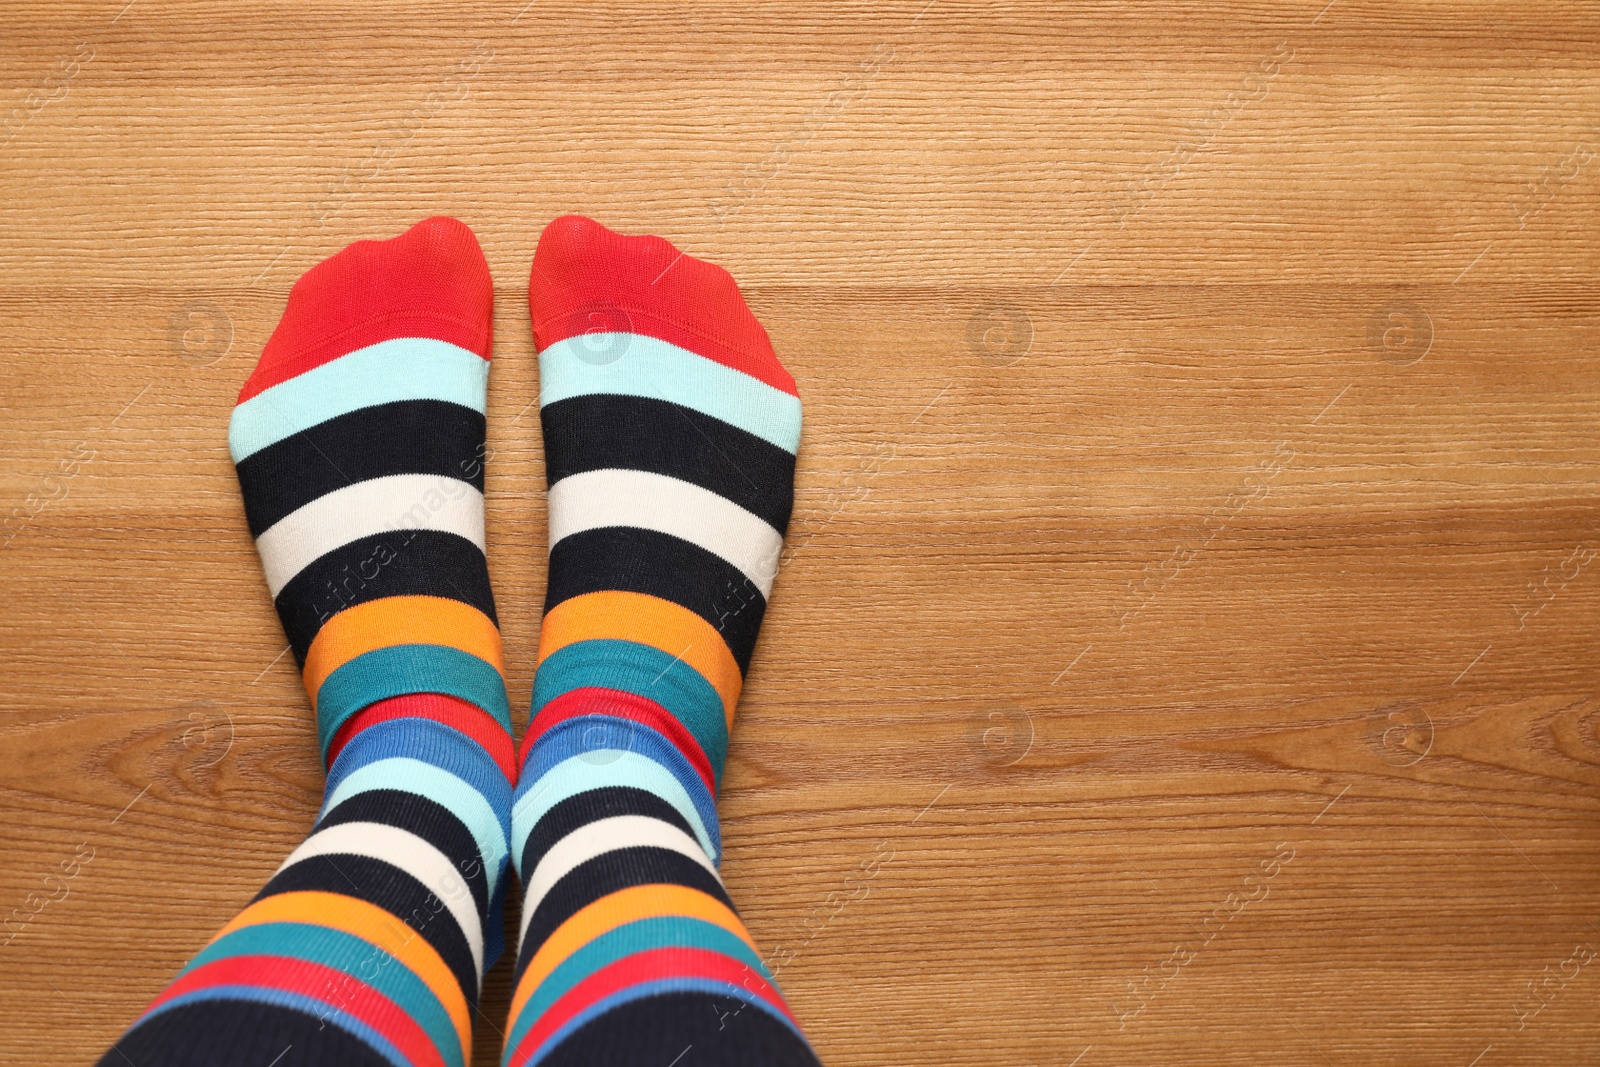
x,y
400,670
424,779
356,957
652,368
588,771
406,368
642,935
644,671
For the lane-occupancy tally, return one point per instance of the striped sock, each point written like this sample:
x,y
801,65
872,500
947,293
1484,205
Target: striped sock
x,y
359,445
670,430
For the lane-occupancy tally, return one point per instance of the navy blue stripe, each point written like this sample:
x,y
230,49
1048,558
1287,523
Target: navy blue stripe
x,y
397,563
715,1031
644,561
429,820
577,811
239,1033
406,437
604,431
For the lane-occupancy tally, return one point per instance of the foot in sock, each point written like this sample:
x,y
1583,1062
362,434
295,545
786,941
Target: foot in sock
x,y
359,443
670,433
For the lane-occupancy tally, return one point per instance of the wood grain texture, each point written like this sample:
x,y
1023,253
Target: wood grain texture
x,y
1200,469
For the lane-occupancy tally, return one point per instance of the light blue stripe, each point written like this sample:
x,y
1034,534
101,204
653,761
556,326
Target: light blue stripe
x,y
641,935
597,770
645,671
406,368
400,670
310,1006
414,776
363,961
652,368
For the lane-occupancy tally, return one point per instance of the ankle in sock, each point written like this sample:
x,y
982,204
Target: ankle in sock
x,y
359,447
670,433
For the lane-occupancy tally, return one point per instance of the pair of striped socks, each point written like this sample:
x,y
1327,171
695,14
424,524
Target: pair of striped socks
x,y
670,432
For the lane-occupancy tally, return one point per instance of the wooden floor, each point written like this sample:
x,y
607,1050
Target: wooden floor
x,y
1187,650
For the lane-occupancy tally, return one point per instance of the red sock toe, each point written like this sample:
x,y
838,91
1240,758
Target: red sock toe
x,y
587,277
431,281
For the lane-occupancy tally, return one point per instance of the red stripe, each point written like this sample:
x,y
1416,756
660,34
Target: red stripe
x,y
453,712
342,991
637,969
594,700
431,281
587,278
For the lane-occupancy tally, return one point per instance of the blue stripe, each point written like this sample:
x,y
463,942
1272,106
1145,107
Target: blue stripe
x,y
282,998
644,671
650,989
487,823
542,790
401,670
641,935
356,957
652,368
406,368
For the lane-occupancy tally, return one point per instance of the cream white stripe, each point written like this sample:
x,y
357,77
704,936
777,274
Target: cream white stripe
x,y
396,502
412,854
596,839
596,499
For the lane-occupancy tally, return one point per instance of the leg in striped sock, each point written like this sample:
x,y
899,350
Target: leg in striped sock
x,y
359,444
670,430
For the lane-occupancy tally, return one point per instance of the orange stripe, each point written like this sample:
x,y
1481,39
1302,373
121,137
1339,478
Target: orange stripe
x,y
613,910
399,620
376,927
647,620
